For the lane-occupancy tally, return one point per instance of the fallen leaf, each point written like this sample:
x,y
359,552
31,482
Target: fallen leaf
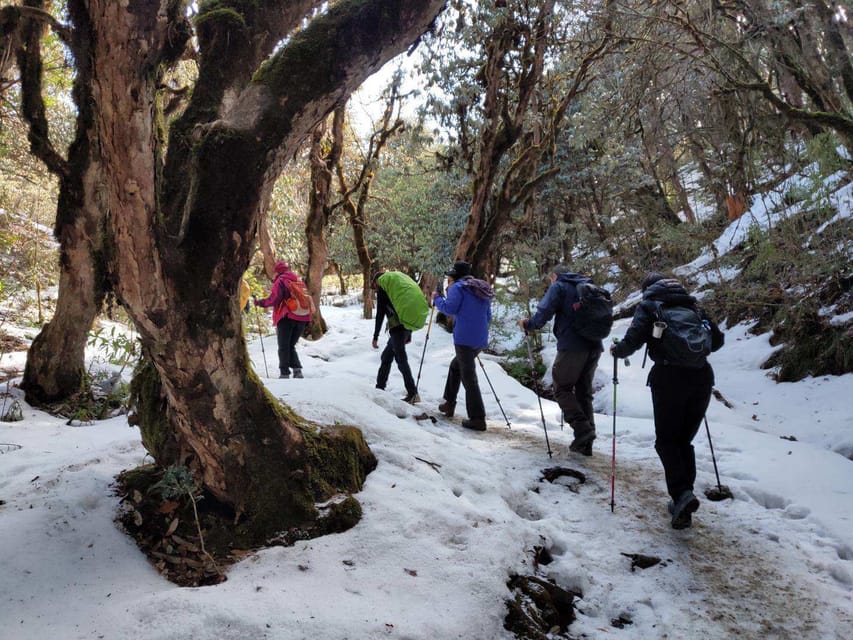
x,y
172,526
168,506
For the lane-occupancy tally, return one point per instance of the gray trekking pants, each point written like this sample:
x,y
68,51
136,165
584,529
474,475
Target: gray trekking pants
x,y
573,372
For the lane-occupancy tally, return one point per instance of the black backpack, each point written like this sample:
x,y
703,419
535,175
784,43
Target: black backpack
x,y
593,317
687,339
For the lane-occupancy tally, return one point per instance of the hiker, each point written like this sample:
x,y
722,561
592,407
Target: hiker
x,y
401,301
577,357
681,380
292,309
469,301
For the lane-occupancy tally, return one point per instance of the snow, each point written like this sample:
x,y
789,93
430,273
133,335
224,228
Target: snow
x,y
768,209
432,555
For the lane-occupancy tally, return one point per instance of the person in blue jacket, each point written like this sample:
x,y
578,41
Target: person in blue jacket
x,y
469,302
577,358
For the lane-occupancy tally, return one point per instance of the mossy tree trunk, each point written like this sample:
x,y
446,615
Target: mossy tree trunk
x,y
181,229
55,361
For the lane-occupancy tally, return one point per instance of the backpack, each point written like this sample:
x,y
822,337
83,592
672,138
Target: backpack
x,y
593,316
687,339
407,299
300,302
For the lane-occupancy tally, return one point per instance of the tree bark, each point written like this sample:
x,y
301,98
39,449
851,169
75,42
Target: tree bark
x,y
55,361
323,157
180,246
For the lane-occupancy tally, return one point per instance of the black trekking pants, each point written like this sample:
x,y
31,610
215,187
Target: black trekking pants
x,y
288,332
395,350
680,398
573,372
463,370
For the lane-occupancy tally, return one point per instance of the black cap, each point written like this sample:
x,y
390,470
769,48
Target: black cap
x,y
460,269
650,279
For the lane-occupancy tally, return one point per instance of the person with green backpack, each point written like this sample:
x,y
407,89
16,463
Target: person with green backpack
x,y
401,301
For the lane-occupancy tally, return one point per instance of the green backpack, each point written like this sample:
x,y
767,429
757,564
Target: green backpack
x,y
408,299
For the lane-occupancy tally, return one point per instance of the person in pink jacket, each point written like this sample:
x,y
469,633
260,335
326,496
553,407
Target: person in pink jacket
x,y
289,319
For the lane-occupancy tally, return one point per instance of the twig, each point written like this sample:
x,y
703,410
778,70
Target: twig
x,y
434,465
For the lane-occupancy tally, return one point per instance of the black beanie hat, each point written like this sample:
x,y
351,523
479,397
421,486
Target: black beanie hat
x,y
460,269
650,279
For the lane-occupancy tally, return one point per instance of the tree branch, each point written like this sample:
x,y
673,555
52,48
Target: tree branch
x,y
323,64
32,101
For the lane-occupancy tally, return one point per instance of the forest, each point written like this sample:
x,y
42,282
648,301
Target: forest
x,y
154,154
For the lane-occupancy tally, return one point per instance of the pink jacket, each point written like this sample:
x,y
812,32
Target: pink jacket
x,y
279,294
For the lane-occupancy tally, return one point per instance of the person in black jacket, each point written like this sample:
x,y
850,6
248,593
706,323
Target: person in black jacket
x,y
680,394
395,350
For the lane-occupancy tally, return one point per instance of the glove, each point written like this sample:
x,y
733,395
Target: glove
x,y
375,343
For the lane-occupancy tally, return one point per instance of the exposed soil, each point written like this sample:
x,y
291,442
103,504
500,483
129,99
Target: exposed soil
x,y
194,547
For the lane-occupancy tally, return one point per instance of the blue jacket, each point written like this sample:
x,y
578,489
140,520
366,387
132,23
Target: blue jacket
x,y
472,313
558,302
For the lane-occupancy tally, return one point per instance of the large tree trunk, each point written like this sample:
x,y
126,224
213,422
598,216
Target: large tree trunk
x,y
55,361
180,248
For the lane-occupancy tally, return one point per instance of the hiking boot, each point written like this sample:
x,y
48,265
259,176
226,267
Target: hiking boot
x,y
412,398
297,373
284,375
475,424
447,408
583,449
583,443
683,509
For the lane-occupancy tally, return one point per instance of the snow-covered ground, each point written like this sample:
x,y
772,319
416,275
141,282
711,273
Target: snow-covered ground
x,y
438,542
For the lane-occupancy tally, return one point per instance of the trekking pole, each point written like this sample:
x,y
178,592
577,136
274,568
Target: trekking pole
x,y
613,454
423,353
509,426
538,397
721,493
261,336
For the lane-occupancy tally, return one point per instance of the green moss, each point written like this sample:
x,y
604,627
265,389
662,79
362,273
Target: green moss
x,y
232,12
222,15
342,516
339,460
148,411
311,56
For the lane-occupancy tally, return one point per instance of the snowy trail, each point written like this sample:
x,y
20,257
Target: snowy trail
x,y
449,515
729,578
